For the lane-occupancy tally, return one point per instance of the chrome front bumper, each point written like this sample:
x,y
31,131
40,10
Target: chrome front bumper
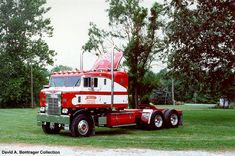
x,y
61,119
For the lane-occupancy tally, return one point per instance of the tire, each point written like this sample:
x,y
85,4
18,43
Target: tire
x,y
157,120
81,126
49,129
171,118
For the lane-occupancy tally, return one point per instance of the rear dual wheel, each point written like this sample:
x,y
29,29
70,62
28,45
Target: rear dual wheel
x,y
156,121
171,118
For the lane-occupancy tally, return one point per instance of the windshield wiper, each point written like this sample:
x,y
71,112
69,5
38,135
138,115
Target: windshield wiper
x,y
77,82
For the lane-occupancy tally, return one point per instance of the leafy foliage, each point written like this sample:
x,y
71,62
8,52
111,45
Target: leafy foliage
x,y
96,40
150,81
61,68
183,90
22,28
135,28
201,38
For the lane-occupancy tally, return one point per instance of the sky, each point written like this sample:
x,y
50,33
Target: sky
x,y
70,20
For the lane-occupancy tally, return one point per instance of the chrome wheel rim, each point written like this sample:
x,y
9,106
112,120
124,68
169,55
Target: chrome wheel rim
x,y
83,127
158,121
174,119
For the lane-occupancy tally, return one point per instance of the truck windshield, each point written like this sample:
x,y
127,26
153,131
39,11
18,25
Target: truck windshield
x,y
65,81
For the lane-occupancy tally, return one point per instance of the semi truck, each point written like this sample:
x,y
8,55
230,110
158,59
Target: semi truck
x,y
79,101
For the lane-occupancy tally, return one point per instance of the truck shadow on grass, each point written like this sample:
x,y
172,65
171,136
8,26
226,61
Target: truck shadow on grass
x,y
116,131
112,132
106,132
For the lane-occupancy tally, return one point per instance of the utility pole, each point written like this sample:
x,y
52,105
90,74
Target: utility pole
x,y
31,75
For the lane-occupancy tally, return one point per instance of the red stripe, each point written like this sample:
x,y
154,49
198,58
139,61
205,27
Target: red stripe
x,y
101,105
98,93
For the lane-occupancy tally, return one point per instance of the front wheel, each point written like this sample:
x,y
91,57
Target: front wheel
x,y
49,128
81,126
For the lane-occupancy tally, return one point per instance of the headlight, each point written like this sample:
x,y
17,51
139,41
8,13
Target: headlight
x,y
42,109
65,111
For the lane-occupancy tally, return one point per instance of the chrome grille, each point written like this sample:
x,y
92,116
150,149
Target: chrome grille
x,y
53,105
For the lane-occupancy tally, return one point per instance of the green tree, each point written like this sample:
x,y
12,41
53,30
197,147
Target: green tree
x,y
150,81
135,28
201,40
61,68
22,28
193,93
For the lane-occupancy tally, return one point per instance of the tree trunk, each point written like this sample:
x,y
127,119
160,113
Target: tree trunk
x,y
133,91
136,96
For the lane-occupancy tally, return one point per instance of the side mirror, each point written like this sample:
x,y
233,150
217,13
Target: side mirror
x,y
46,86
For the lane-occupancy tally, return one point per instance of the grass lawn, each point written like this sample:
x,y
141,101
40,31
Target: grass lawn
x,y
203,129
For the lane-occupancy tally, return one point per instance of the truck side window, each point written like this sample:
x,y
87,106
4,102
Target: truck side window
x,y
105,81
95,82
87,81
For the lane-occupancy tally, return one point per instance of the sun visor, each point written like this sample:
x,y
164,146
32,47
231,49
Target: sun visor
x,y
104,61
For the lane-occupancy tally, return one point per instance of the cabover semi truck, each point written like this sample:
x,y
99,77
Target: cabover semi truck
x,y
79,101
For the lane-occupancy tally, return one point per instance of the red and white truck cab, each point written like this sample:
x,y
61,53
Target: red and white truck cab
x,y
80,100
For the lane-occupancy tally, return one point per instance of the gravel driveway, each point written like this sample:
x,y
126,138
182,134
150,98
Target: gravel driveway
x,y
31,150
